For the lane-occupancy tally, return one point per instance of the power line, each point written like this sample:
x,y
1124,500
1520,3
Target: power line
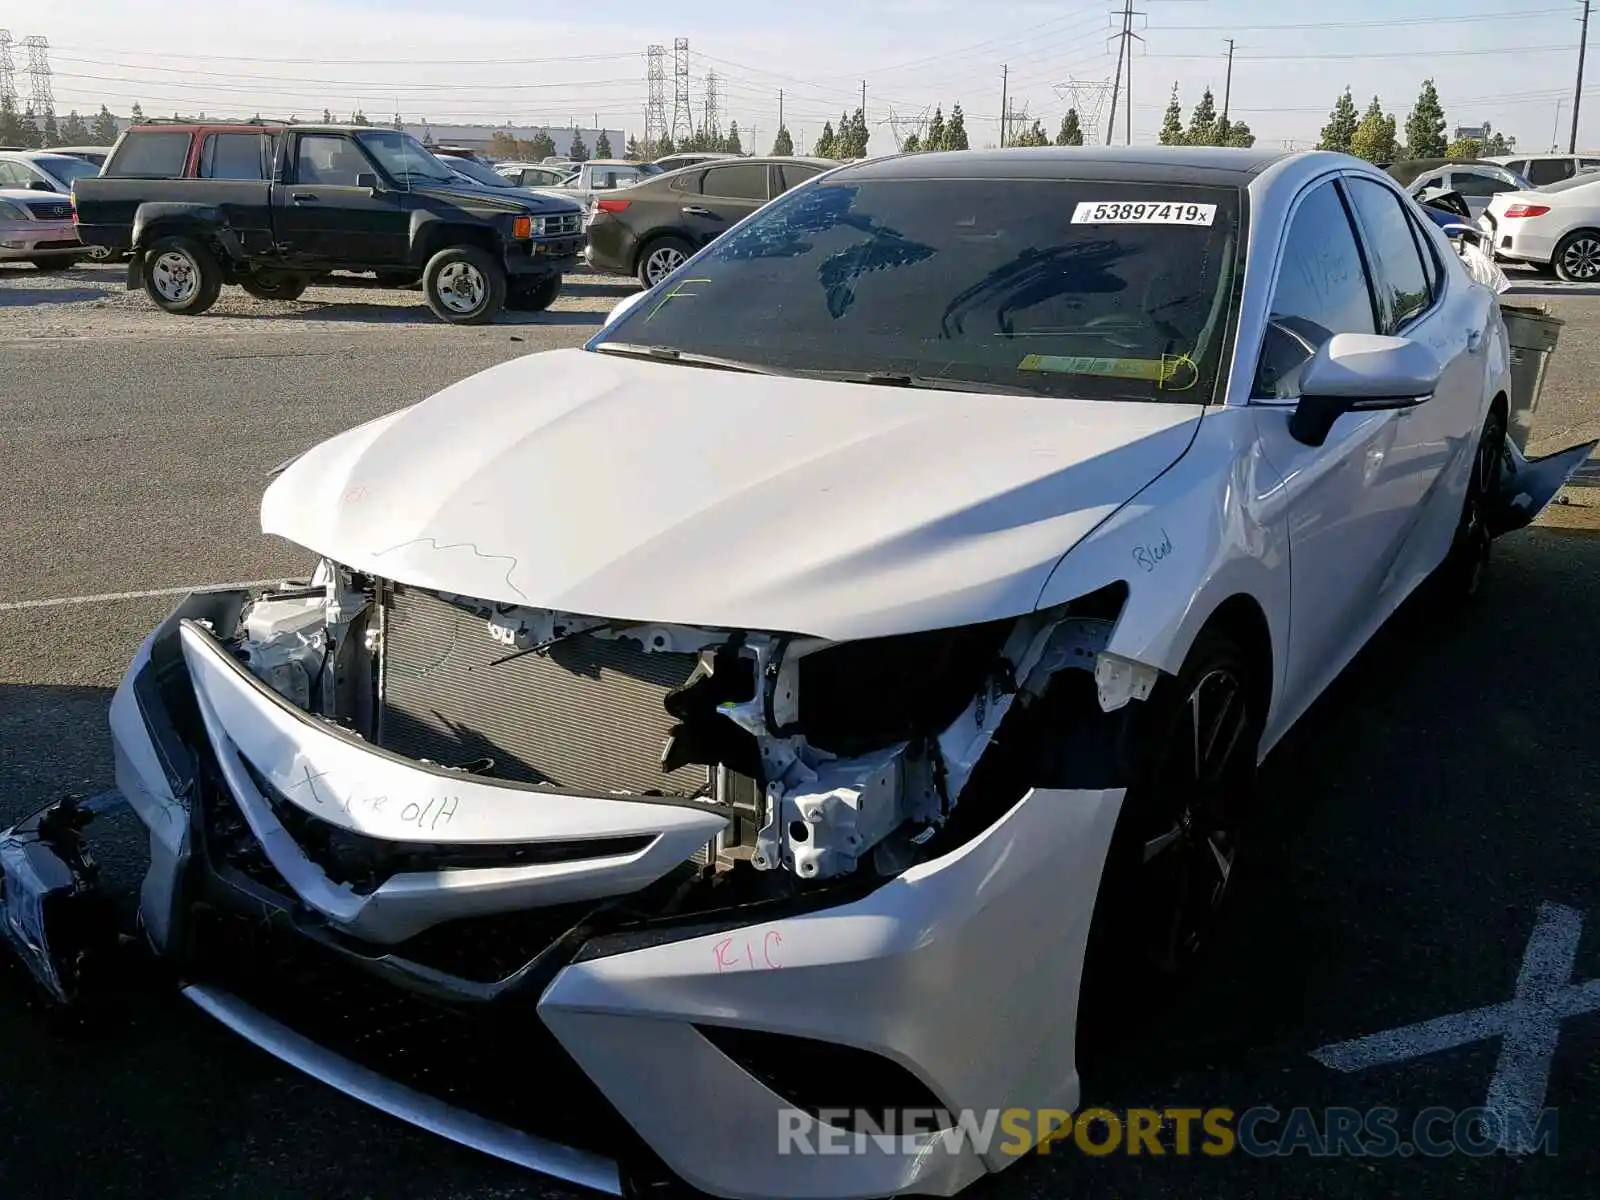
x,y
1411,54
1518,15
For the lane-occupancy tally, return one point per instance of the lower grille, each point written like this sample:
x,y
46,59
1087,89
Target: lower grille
x,y
586,716
51,210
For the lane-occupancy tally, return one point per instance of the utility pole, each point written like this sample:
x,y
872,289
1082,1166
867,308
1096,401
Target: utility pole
x,y
1577,92
1005,113
1227,88
1124,64
780,108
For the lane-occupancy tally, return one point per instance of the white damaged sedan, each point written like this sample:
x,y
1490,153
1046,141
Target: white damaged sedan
x,y
771,717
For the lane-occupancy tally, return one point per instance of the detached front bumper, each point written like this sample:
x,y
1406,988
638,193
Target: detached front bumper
x,y
523,1010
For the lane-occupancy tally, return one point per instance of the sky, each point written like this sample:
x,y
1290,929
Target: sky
x,y
498,61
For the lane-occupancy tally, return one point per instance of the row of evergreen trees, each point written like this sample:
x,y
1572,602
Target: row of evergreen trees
x,y
27,128
1374,134
1206,126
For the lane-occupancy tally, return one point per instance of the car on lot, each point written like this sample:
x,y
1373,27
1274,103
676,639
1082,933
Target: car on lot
x,y
1474,181
652,228
48,171
535,174
618,820
1543,169
598,177
274,208
36,227
1555,227
90,154
689,158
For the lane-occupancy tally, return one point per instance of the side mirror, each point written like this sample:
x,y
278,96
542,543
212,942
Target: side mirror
x,y
368,180
39,185
1360,372
1456,229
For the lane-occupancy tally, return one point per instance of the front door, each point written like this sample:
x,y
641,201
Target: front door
x,y
727,196
323,218
1344,508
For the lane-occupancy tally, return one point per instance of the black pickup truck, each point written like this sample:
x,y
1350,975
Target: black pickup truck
x,y
273,208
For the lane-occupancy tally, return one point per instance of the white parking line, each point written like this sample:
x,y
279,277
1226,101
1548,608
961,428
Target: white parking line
x,y
104,597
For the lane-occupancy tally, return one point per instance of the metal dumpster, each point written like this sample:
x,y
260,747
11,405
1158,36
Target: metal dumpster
x,y
1532,333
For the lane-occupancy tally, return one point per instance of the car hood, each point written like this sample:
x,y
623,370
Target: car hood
x,y
469,195
625,488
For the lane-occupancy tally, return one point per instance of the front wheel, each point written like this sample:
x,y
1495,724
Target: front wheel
x,y
282,287
1577,257
101,253
662,257
464,285
1461,575
181,276
535,296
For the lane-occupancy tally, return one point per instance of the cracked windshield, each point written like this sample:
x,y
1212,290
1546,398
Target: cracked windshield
x,y
1095,290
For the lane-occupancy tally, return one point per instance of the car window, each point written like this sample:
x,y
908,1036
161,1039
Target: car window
x,y
745,181
1432,268
793,174
1065,288
155,154
1396,257
11,175
1589,164
329,161
1549,170
1471,183
1322,289
232,156
689,182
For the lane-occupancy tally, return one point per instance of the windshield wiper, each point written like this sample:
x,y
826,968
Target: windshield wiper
x,y
938,383
687,358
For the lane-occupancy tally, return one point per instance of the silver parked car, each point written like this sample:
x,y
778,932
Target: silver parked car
x,y
36,226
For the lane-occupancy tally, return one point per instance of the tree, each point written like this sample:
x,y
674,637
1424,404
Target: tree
x,y
1239,135
1425,125
733,145
1032,137
541,146
955,133
1203,129
935,138
31,137
398,123
502,145
1071,131
135,114
912,144
52,131
662,148
1374,137
74,132
578,151
631,151
824,147
1172,122
1338,133
10,121
327,117
783,143
359,118
1467,147
103,130
1498,143
602,145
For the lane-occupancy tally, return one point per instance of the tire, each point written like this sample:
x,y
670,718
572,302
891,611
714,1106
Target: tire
x,y
535,296
464,285
181,276
1577,257
1177,837
660,257
282,287
1460,577
53,265
101,254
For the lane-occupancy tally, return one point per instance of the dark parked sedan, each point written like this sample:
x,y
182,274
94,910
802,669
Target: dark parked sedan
x,y
649,229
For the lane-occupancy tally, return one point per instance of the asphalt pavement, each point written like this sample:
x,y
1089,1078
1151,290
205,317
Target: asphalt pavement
x,y
1445,789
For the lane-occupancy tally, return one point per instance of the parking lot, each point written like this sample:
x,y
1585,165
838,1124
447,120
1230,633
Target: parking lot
x,y
1421,814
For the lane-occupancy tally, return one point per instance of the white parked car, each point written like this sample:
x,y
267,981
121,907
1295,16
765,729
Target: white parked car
x,y
1555,227
1544,169
601,175
1475,183
535,174
802,693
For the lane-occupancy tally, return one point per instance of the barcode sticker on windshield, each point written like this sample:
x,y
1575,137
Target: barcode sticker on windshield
x,y
1147,212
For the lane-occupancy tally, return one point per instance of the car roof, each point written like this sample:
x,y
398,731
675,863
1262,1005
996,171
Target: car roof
x,y
1197,164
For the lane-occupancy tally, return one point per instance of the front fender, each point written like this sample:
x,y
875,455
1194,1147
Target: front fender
x,y
1202,532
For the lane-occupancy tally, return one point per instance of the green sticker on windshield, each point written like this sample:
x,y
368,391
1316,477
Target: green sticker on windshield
x,y
1170,372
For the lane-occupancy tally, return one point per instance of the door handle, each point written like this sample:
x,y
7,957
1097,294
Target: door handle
x,y
299,197
694,210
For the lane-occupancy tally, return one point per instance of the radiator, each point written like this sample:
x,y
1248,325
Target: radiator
x,y
585,716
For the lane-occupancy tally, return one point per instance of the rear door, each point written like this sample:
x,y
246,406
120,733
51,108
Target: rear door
x,y
1550,170
323,218
728,194
788,175
238,165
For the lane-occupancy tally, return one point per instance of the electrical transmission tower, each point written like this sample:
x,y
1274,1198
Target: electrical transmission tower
x,y
655,112
1089,98
682,114
39,73
900,128
8,71
713,118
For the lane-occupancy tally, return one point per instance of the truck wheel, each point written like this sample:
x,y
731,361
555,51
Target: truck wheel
x,y
662,257
181,276
465,285
535,295
279,287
